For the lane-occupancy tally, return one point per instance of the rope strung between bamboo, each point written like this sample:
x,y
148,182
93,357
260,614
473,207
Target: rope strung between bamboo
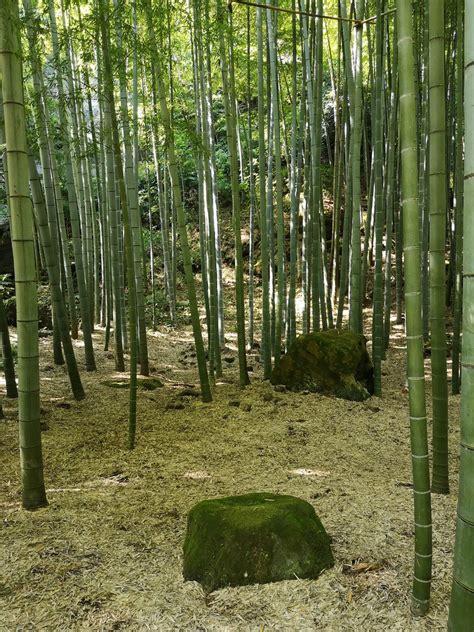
x,y
357,23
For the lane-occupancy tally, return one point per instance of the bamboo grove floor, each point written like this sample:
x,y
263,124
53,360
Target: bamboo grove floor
x,y
106,554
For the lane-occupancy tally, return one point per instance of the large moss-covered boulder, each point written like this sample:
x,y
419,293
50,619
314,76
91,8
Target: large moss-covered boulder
x,y
331,361
256,538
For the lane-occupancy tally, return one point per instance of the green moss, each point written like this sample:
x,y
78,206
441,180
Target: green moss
x,y
256,538
352,391
331,361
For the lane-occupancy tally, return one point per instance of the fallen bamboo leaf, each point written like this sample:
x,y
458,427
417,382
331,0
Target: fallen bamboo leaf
x,y
358,567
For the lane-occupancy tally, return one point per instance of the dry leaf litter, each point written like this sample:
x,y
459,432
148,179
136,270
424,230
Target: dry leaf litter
x,y
107,552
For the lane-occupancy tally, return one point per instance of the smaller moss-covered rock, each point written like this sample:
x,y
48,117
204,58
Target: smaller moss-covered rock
x,y
333,361
255,538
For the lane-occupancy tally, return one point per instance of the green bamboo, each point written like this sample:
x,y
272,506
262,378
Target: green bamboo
x,y
53,192
346,228
461,609
349,103
161,183
21,214
414,328
337,89
97,227
438,213
113,137
424,175
280,295
107,253
209,182
295,167
252,191
89,197
450,81
265,342
46,218
313,204
132,197
378,312
113,221
306,237
459,198
73,200
214,223
48,175
78,156
228,80
203,201
390,191
51,261
178,204
319,275
88,227
268,224
355,312
61,222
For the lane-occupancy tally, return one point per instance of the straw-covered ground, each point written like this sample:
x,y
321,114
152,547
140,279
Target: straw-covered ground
x,y
107,552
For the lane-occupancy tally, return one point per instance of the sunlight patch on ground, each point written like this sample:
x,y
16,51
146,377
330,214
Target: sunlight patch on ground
x,y
302,471
199,475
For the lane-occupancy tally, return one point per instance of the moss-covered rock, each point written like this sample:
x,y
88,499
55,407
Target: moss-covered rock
x,y
45,318
331,361
255,538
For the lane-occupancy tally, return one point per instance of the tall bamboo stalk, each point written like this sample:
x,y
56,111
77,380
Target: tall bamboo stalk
x,y
228,81
438,212
414,327
461,609
378,313
21,217
74,209
271,28
113,138
178,204
355,312
459,197
51,260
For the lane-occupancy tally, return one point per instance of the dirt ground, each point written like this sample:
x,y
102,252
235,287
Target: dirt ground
x,y
107,552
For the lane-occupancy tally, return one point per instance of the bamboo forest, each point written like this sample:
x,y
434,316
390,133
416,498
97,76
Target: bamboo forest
x,y
237,315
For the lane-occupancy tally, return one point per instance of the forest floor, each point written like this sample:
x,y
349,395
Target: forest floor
x,y
107,552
